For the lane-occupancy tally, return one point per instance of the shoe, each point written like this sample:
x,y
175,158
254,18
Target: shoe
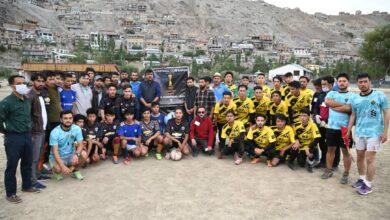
x,y
167,156
238,161
115,159
58,176
219,154
316,163
358,184
44,178
39,185
158,156
309,169
31,190
344,179
13,199
291,165
255,160
77,175
195,153
335,169
364,190
327,174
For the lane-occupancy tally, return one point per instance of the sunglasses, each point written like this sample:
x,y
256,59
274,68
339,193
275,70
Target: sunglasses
x,y
201,112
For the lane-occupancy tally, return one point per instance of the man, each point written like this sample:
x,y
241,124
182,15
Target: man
x,y
307,137
261,81
277,81
245,111
126,102
338,120
39,123
220,111
124,75
232,138
108,132
229,82
245,82
91,74
296,102
108,101
135,83
285,139
15,123
370,112
304,80
218,87
107,81
64,158
158,116
277,106
150,90
260,141
176,134
97,92
201,133
68,96
92,129
151,136
115,78
83,94
288,77
261,102
189,98
205,97
130,134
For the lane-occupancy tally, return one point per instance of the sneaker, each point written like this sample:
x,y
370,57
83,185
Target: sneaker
x,y
309,169
31,190
158,156
364,190
358,184
39,185
344,179
291,165
58,176
13,199
167,156
195,153
327,174
238,161
44,178
335,169
316,163
115,159
77,175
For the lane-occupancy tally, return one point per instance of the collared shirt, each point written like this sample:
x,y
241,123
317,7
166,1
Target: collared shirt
x,y
219,90
205,98
15,114
149,91
83,98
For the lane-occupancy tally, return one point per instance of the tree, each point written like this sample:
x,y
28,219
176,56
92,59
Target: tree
x,y
376,47
261,65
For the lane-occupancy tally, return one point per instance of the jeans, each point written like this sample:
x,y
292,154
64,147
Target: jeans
x,y
18,146
37,141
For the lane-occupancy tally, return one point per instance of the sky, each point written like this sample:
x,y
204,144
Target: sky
x,y
333,7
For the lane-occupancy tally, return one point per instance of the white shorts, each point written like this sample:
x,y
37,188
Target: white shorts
x,y
130,146
368,144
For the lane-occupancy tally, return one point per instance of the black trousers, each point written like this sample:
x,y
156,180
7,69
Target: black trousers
x,y
250,149
50,127
235,148
300,155
18,146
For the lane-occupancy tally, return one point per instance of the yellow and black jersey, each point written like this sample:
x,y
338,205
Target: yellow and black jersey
x,y
286,89
261,106
295,105
282,92
220,110
306,134
281,109
284,137
308,92
266,90
244,109
233,131
263,137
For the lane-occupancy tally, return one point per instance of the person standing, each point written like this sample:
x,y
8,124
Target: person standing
x,y
189,100
135,83
218,87
97,92
15,123
370,112
205,97
83,94
39,123
150,90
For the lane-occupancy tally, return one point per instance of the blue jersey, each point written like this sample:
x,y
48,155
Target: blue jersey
x,y
369,114
218,91
161,121
64,140
68,97
133,131
135,88
338,119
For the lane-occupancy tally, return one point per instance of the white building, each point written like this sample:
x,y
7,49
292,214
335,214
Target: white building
x,y
295,69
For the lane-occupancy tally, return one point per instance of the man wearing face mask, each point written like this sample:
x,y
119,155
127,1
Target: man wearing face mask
x,y
15,123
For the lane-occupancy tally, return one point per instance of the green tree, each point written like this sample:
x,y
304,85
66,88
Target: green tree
x,y
376,47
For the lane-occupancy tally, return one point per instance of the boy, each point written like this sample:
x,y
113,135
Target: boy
x,y
68,96
176,134
158,116
277,106
110,140
130,134
92,130
151,136
285,138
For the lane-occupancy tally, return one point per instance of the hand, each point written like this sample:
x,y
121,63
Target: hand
x,y
75,159
193,142
259,151
148,105
147,142
65,170
209,148
105,140
230,143
189,112
318,119
383,137
282,152
349,133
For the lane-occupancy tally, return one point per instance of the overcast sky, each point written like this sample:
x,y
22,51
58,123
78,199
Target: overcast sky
x,y
334,6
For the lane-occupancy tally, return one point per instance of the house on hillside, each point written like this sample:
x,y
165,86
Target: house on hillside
x,y
295,69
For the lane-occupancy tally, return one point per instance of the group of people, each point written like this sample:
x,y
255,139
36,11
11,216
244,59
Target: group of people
x,y
59,125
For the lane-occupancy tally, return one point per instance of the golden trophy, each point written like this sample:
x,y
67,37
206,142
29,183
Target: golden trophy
x,y
170,87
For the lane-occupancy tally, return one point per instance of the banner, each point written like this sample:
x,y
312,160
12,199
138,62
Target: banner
x,y
172,80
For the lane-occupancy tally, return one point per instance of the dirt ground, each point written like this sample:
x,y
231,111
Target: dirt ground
x,y
201,188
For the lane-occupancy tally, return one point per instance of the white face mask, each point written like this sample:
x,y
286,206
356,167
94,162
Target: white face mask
x,y
260,125
22,89
325,89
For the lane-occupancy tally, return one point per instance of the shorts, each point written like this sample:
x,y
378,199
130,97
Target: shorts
x,y
334,139
151,144
67,161
131,146
368,144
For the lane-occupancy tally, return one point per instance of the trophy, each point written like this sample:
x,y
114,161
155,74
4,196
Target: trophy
x,y
170,88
